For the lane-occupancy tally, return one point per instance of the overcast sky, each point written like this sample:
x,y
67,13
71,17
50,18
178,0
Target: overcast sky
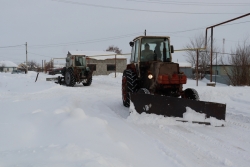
x,y
53,27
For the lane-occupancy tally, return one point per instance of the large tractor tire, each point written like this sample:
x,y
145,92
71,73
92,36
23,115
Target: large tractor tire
x,y
89,81
69,77
129,85
192,94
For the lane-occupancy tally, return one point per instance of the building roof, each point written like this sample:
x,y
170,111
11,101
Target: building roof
x,y
98,55
7,63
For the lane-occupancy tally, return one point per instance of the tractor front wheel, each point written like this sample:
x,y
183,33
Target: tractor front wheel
x,y
69,78
129,85
192,94
88,82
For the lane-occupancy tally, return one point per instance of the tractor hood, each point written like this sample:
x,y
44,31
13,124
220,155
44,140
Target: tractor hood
x,y
166,73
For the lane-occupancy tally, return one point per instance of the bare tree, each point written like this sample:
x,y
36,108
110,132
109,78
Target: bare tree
x,y
114,49
204,56
48,65
239,61
33,65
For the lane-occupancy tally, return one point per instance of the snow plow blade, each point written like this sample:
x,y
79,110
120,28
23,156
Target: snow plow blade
x,y
176,107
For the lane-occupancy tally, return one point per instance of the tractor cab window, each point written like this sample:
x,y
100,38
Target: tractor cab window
x,y
155,49
135,52
79,61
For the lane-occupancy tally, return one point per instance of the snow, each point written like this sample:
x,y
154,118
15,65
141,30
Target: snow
x,y
44,124
184,64
59,66
7,63
192,116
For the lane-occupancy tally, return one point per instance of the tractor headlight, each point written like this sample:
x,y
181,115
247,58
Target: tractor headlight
x,y
150,76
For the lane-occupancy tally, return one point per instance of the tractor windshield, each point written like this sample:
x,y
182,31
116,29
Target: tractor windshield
x,y
79,61
155,49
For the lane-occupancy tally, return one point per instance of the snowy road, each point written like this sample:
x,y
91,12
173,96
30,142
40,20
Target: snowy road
x,y
45,124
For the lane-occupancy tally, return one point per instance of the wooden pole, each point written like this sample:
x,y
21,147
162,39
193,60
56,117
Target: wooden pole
x,y
216,69
45,66
211,57
197,64
115,66
26,58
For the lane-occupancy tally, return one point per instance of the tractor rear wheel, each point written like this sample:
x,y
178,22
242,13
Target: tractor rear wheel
x,y
129,84
192,94
69,77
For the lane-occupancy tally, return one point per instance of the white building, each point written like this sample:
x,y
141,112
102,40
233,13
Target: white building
x,y
7,66
103,62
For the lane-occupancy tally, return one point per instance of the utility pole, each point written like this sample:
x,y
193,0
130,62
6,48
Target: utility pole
x,y
45,66
42,65
197,64
211,56
115,66
216,72
223,46
26,58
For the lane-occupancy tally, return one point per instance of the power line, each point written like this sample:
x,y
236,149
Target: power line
x,y
236,23
109,38
84,42
12,46
191,3
10,58
201,28
138,10
117,37
39,55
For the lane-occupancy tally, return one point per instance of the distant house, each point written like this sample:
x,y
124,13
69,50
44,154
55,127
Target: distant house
x,y
102,62
7,66
186,68
220,73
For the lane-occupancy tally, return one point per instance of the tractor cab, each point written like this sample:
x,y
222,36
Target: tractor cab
x,y
76,61
80,61
151,54
151,48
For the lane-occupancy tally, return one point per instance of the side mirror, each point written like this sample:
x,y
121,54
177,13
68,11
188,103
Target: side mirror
x,y
131,44
172,48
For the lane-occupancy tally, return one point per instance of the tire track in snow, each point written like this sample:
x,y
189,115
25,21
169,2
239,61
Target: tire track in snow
x,y
204,152
239,120
184,147
213,141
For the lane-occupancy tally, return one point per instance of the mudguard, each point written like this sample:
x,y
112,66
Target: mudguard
x,y
176,107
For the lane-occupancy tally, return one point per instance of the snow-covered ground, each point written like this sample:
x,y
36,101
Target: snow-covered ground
x,y
43,124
